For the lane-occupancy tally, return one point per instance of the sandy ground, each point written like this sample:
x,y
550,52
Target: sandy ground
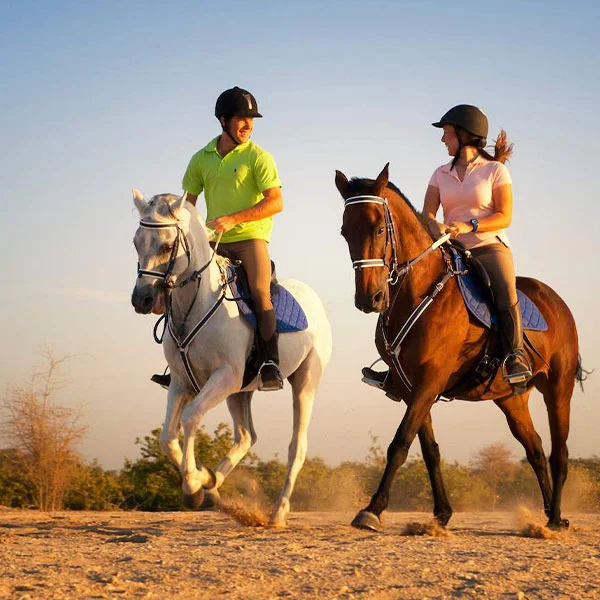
x,y
207,555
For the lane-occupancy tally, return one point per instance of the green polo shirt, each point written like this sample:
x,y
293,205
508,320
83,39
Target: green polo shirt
x,y
233,183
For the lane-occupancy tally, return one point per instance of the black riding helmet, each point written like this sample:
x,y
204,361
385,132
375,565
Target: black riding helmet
x,y
468,117
236,102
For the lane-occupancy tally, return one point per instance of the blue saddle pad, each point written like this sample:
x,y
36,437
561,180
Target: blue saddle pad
x,y
477,300
289,314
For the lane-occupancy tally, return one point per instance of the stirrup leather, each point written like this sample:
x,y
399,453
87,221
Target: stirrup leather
x,y
270,386
521,376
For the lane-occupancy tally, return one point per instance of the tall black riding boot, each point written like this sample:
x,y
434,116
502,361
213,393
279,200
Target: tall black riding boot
x,y
516,369
269,375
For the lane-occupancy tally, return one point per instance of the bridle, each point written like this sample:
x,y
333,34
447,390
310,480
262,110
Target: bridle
x,y
180,238
390,239
167,275
395,271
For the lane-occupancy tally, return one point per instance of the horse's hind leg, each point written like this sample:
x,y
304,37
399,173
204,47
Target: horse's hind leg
x,y
442,511
304,385
516,411
239,406
557,391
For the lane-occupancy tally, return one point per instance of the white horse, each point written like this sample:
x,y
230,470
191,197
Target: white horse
x,y
208,342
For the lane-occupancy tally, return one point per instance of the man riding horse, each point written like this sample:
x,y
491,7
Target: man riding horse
x,y
242,191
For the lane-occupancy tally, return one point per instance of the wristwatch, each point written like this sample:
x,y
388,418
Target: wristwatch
x,y
474,224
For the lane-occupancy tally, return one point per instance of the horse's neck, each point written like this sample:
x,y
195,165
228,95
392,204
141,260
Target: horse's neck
x,y
411,240
205,291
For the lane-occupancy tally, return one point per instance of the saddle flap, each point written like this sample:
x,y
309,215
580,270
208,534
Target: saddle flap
x,y
288,312
478,299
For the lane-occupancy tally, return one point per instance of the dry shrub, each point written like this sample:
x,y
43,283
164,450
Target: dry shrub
x,y
432,529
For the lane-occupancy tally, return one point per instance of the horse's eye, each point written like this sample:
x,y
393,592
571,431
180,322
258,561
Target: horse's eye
x,y
380,231
166,248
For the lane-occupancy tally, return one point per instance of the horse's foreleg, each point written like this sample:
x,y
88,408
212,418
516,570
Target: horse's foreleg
x,y
169,436
304,383
418,409
221,384
244,435
518,417
442,510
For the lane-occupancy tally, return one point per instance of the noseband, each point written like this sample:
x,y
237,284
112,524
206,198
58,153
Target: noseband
x,y
390,239
180,236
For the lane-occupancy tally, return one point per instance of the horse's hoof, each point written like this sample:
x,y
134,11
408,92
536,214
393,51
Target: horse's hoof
x,y
443,517
212,501
366,520
562,524
195,500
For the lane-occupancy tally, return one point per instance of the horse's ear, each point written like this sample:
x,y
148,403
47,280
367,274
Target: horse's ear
x,y
139,201
381,181
179,203
341,182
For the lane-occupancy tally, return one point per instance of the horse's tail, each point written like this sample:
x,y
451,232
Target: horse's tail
x,y
581,374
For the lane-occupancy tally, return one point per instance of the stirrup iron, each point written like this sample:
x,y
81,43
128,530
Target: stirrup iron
x,y
270,386
517,378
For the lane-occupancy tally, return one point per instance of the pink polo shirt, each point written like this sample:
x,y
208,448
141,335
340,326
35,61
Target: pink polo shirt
x,y
472,197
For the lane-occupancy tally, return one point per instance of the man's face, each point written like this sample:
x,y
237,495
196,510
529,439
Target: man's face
x,y
241,128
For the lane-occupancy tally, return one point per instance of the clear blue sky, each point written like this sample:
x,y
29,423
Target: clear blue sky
x,y
99,97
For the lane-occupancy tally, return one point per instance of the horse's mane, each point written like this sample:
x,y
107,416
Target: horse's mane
x,y
358,185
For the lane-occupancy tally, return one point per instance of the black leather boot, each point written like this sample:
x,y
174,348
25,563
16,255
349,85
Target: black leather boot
x,y
374,378
163,380
382,380
516,369
269,374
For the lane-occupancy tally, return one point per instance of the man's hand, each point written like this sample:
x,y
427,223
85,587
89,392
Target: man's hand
x,y
222,224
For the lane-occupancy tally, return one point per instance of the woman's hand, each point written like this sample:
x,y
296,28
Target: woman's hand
x,y
457,227
222,224
436,229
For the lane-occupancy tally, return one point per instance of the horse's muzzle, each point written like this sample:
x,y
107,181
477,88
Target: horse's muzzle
x,y
368,303
142,300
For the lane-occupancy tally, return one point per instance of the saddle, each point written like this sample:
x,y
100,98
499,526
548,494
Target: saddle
x,y
290,316
475,286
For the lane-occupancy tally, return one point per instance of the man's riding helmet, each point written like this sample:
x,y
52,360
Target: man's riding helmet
x,y
236,102
468,117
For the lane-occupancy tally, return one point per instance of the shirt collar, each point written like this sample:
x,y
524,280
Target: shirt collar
x,y
478,161
212,146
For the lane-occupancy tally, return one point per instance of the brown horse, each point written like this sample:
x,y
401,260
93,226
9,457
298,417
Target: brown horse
x,y
385,234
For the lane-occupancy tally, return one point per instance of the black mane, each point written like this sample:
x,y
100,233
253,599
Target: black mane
x,y
358,185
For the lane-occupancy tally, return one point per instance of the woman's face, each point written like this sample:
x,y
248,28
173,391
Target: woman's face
x,y
450,140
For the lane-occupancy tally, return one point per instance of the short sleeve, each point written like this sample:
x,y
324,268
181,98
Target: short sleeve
x,y
433,181
501,176
265,172
192,180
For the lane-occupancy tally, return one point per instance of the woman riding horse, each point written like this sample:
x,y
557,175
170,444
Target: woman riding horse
x,y
475,192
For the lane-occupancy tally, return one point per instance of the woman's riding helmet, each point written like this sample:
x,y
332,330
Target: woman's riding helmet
x,y
468,117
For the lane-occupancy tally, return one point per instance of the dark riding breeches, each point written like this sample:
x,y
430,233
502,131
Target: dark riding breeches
x,y
498,262
254,255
